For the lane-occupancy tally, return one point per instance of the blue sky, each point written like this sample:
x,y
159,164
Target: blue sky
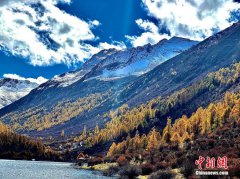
x,y
52,37
117,19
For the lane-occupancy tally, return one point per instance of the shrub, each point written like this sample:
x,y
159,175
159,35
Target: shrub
x,y
170,157
238,123
130,172
162,165
111,171
174,147
110,159
211,143
180,160
128,157
122,160
188,168
95,161
147,168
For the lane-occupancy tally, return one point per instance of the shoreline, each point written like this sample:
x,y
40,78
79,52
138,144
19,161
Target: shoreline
x,y
99,167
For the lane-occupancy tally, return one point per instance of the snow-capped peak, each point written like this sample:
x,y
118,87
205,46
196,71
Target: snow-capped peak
x,y
14,89
140,60
114,64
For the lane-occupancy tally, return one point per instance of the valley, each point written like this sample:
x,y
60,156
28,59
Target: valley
x,y
150,110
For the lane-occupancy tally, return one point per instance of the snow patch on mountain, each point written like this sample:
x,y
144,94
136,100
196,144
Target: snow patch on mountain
x,y
70,78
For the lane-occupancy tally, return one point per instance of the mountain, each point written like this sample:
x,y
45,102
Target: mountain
x,y
111,64
54,107
86,96
12,89
140,60
83,97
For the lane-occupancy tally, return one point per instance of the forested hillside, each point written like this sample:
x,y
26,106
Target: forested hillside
x,y
126,121
208,132
171,132
14,146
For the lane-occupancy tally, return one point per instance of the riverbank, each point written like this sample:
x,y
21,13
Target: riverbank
x,y
114,170
105,168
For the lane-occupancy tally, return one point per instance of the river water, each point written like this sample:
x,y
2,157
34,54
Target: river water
x,y
12,169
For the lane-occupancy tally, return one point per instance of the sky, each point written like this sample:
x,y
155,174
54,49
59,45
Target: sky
x,y
44,38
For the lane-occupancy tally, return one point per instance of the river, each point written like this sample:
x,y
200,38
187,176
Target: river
x,y
12,169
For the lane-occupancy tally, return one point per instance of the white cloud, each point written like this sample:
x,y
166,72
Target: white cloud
x,y
7,2
151,34
195,19
46,35
39,80
115,44
95,23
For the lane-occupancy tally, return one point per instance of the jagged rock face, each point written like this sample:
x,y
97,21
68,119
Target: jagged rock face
x,y
11,90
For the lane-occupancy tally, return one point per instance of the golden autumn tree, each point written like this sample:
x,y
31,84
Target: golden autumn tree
x,y
112,150
96,130
152,141
144,141
235,112
167,131
136,142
